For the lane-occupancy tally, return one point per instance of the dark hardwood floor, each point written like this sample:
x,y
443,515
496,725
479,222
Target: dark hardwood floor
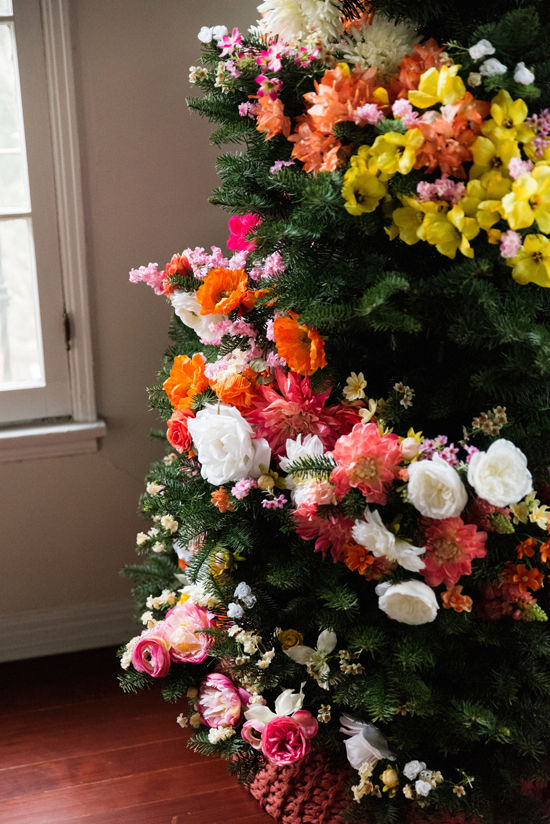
x,y
74,748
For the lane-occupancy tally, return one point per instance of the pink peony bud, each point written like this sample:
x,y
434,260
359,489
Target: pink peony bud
x,y
151,653
284,741
220,703
183,624
308,723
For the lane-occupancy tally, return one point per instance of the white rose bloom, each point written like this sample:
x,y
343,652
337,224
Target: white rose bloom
x,y
410,602
435,489
492,67
500,475
413,768
422,788
483,48
188,310
372,534
207,33
523,75
225,445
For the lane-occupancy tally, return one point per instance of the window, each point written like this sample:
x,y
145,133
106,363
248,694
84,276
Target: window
x,y
45,344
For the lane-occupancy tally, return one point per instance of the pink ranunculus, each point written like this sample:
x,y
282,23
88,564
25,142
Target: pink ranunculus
x,y
284,741
251,732
220,703
239,227
367,461
152,652
183,625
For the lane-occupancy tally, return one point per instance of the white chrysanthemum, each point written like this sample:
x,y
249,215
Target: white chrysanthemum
x,y
383,43
294,20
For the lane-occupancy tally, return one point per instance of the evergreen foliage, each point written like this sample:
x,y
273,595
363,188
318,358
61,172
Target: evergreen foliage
x,y
468,695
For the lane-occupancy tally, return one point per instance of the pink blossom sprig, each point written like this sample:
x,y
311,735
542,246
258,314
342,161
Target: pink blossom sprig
x,y
150,275
442,189
274,503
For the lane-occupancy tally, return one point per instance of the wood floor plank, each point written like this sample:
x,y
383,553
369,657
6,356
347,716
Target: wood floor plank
x,y
75,750
110,798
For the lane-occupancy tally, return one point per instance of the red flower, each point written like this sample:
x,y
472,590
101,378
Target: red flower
x,y
239,228
290,408
178,434
450,547
330,531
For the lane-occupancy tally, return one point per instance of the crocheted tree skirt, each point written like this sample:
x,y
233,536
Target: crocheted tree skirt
x,y
308,792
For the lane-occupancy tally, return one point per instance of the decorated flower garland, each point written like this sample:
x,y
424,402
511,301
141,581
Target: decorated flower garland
x,y
313,560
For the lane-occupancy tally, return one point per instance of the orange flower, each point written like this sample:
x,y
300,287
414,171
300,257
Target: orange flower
x,y
178,267
220,499
523,577
453,599
301,346
319,152
357,558
526,548
272,120
237,390
222,290
422,58
339,93
544,551
186,380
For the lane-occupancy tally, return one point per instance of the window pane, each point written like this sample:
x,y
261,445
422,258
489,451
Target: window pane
x,y
5,7
14,194
21,362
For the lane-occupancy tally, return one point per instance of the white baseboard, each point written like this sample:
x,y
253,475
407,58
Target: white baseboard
x,y
36,633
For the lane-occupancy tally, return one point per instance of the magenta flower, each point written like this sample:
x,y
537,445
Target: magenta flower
x,y
152,652
269,86
229,42
284,741
239,228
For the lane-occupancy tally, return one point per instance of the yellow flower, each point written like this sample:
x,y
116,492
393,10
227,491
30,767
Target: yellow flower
x,y
438,87
450,231
492,155
529,200
395,152
488,191
367,412
406,223
532,262
507,119
290,638
362,191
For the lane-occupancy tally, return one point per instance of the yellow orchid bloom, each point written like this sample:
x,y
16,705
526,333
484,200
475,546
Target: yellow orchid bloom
x,y
507,119
492,155
362,191
487,193
450,231
532,263
529,200
441,86
395,152
406,223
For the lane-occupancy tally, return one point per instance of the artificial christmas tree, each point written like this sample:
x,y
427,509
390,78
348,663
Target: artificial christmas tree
x,y
348,554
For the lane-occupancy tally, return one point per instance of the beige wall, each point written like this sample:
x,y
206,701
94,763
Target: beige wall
x,y
69,523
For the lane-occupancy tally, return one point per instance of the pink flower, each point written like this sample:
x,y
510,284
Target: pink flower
x,y
450,547
403,109
368,113
183,624
479,512
269,86
292,408
251,732
274,503
518,167
220,703
149,275
366,461
284,741
151,653
229,42
510,243
331,531
239,227
243,487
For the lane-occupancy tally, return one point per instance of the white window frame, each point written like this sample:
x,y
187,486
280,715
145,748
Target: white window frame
x,y
43,26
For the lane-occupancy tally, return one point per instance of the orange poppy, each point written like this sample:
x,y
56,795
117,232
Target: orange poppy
x,y
222,290
186,380
271,120
301,346
236,390
357,558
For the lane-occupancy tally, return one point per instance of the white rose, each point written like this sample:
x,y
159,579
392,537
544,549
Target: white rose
x,y
225,446
188,310
435,489
413,768
482,48
372,534
411,602
523,75
500,475
492,67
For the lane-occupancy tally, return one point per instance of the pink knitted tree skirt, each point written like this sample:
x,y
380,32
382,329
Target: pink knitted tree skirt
x,y
308,792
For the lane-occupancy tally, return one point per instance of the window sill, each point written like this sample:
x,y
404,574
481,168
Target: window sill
x,y
50,440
